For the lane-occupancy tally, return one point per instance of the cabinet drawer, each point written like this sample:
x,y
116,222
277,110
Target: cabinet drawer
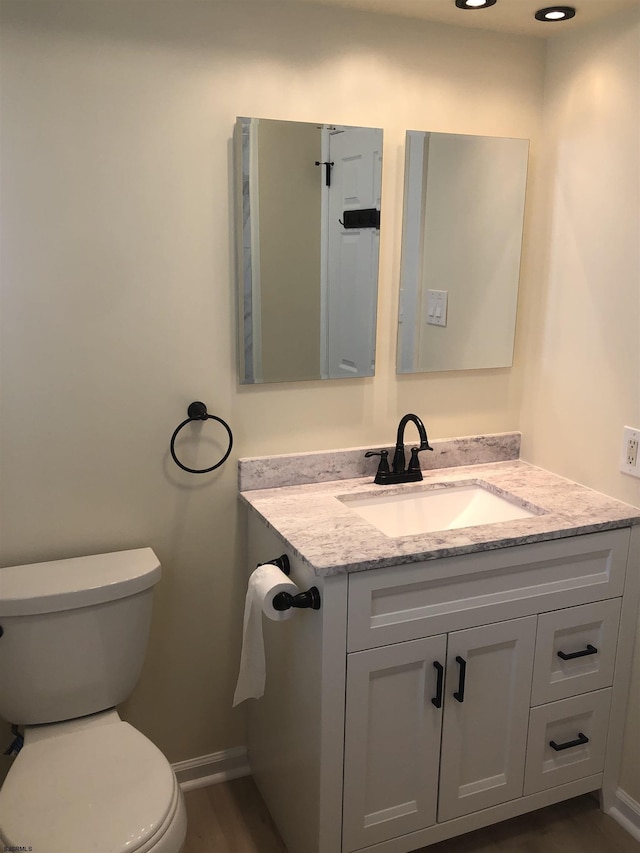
x,y
433,597
575,650
578,729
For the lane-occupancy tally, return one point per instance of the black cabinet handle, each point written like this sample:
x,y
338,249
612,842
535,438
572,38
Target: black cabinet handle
x,y
437,699
459,694
590,650
582,739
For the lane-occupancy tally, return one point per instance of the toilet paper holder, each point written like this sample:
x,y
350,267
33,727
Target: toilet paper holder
x,y
284,600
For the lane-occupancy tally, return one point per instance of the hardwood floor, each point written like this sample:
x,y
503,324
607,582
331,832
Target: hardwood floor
x,y
231,818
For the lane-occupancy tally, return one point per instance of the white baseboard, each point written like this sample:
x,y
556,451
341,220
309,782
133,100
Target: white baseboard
x,y
211,769
627,813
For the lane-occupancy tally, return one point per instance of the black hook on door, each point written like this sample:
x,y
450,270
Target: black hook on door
x,y
327,171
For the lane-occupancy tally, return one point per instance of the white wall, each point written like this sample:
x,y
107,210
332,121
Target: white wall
x,y
117,302
579,339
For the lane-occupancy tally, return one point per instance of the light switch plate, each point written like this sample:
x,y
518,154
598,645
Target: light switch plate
x,y
437,307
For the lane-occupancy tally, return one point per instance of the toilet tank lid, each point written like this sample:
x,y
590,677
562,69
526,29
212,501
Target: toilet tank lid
x,y
77,582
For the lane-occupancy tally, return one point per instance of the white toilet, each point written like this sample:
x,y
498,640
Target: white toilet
x,y
73,635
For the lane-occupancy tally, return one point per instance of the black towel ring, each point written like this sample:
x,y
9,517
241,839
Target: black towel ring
x,y
198,412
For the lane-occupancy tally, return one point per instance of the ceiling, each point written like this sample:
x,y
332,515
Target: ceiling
x,y
510,16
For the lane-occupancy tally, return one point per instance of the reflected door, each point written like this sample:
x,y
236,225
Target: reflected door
x,y
352,253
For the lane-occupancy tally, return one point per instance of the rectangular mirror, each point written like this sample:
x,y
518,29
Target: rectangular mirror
x,y
308,236
461,245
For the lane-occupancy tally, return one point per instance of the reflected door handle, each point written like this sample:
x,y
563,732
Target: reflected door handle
x,y
327,171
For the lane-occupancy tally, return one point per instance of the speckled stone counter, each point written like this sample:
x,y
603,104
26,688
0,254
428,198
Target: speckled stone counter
x,y
331,538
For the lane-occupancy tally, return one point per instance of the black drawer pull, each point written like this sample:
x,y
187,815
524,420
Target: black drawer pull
x,y
582,739
437,699
459,694
590,650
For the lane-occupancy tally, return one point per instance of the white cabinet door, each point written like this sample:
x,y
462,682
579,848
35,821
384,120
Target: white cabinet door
x,y
392,740
484,734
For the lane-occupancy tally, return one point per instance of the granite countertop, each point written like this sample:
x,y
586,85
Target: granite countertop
x,y
332,539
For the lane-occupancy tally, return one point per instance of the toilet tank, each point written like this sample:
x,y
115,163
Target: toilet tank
x,y
73,634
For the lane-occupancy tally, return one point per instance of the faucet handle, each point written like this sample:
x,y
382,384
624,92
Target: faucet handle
x,y
383,465
414,462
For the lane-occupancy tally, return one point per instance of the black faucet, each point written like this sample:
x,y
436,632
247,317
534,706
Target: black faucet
x,y
399,473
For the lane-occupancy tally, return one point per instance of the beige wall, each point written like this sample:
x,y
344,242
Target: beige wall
x,y
118,306
580,336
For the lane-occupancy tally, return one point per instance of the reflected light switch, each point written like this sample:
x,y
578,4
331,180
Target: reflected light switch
x,y
437,307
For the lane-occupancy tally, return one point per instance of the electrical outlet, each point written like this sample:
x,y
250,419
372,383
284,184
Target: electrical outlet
x,y
630,452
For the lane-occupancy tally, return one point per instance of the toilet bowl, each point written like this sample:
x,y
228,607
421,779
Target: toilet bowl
x,y
72,638
96,778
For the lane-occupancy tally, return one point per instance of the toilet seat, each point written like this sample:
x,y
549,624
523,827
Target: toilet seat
x,y
104,788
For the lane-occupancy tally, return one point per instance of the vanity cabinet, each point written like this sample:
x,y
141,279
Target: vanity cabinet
x,y
449,725
429,699
435,729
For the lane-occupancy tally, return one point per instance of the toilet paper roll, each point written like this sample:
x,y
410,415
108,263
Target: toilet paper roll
x,y
264,584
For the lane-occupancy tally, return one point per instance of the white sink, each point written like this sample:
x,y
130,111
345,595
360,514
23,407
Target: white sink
x,y
439,507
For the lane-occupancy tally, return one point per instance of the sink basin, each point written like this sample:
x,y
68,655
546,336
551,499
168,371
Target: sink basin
x,y
438,507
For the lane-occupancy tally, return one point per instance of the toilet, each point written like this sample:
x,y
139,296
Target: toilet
x,y
73,636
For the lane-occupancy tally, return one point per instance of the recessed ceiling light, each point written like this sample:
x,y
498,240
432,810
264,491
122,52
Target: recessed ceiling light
x,y
474,4
555,13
